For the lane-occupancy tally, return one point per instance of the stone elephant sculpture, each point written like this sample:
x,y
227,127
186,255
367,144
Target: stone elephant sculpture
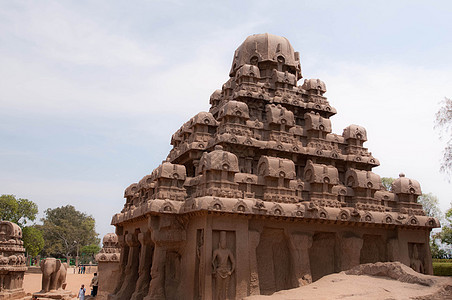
x,y
53,274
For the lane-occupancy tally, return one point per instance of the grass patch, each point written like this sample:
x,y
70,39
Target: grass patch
x,y
442,268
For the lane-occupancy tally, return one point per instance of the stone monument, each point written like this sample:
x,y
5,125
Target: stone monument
x,y
53,280
108,265
12,261
258,195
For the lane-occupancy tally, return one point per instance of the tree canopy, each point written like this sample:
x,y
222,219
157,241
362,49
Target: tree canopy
x,y
65,229
430,204
446,232
33,240
17,210
443,122
387,183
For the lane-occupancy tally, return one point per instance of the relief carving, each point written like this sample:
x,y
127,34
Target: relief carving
x,y
223,263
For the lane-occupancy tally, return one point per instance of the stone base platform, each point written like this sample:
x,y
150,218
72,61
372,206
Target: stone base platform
x,y
62,294
12,294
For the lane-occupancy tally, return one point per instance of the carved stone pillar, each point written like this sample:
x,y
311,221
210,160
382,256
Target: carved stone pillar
x,y
131,271
168,235
157,284
299,249
254,238
350,248
393,250
144,278
122,264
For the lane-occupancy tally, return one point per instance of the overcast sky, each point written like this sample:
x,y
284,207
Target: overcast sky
x,y
91,91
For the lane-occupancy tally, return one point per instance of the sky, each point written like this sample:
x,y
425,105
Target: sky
x,y
91,91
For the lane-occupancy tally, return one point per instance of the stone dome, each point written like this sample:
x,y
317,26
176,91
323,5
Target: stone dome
x,y
110,238
267,47
404,185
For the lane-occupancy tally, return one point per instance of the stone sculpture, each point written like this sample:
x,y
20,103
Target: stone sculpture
x,y
223,263
53,280
53,274
108,260
12,261
258,195
415,263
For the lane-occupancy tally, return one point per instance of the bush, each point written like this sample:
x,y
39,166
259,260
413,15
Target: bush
x,y
442,268
442,260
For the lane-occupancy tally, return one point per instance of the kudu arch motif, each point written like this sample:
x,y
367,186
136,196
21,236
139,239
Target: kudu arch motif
x,y
263,175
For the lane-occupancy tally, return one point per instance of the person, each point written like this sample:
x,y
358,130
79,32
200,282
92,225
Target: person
x,y
95,285
81,293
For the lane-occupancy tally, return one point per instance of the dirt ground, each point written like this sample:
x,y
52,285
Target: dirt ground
x,y
32,282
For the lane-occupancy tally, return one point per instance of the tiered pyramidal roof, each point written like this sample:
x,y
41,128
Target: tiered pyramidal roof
x,y
266,147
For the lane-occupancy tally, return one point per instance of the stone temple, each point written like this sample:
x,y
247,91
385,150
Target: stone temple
x,y
258,195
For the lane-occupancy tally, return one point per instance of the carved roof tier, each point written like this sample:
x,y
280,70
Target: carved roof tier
x,y
267,141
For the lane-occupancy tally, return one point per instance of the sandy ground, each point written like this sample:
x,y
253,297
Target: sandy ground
x,y
341,286
32,282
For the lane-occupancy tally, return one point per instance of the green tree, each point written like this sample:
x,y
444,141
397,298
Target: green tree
x,y
33,240
443,123
430,205
65,229
21,211
17,210
88,252
387,183
446,232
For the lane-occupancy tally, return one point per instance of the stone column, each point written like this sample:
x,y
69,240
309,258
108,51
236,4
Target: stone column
x,y
350,248
157,284
144,278
131,271
299,244
254,238
122,264
428,261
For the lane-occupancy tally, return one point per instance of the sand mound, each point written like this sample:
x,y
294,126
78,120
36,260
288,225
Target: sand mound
x,y
391,280
393,270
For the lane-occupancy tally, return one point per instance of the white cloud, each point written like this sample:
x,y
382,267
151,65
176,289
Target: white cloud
x,y
63,34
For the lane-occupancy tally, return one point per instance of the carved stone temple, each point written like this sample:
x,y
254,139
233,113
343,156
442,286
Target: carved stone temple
x,y
108,265
258,195
12,261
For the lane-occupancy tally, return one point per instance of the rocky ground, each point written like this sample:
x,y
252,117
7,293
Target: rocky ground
x,y
371,281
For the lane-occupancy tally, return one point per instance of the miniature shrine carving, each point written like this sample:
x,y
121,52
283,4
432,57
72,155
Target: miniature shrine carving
x,y
12,261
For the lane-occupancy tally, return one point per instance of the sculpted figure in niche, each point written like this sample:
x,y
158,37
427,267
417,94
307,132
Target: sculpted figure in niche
x,y
220,261
415,263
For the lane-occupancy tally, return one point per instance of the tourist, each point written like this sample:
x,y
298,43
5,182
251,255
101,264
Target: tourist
x,y
81,293
95,285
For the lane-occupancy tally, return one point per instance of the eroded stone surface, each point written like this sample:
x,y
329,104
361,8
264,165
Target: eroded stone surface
x,y
108,262
262,178
390,280
12,261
